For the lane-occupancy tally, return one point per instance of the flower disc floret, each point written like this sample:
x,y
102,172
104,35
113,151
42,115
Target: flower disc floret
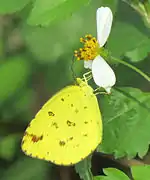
x,y
89,50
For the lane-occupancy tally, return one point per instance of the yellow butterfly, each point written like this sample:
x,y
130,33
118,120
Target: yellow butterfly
x,y
68,127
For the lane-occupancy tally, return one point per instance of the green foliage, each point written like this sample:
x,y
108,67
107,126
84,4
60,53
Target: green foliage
x,y
112,174
23,101
37,41
140,52
26,169
8,6
126,122
8,146
141,172
129,36
45,11
83,168
13,74
127,33
138,173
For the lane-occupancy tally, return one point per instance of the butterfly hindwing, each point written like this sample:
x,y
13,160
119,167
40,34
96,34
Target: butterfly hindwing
x,y
67,128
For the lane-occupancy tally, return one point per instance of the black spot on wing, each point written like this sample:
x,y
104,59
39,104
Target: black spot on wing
x,y
50,113
62,99
62,143
55,125
69,123
71,138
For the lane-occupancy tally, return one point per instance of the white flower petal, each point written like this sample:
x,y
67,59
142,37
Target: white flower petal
x,y
88,64
103,75
104,18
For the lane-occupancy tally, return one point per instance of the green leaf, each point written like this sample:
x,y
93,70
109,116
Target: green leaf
x,y
8,146
10,6
112,4
24,101
26,169
124,37
14,73
141,172
140,52
83,168
20,106
46,11
138,173
126,120
128,31
112,174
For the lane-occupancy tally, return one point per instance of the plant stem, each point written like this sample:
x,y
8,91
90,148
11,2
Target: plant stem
x,y
145,76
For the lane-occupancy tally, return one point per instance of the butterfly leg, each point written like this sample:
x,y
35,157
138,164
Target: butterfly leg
x,y
87,76
98,91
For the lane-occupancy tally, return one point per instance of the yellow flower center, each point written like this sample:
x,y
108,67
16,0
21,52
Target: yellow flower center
x,y
90,49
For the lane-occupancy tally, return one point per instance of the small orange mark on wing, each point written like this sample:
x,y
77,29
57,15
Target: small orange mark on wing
x,y
36,138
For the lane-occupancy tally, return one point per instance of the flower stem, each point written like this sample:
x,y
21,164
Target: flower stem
x,y
145,76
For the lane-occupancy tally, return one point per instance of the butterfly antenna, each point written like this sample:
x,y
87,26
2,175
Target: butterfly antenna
x,y
72,68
